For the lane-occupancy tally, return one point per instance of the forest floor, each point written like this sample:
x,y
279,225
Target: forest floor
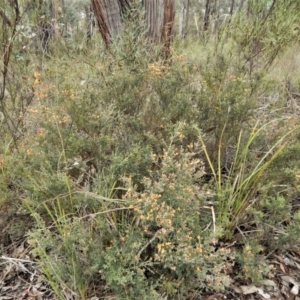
x,y
21,278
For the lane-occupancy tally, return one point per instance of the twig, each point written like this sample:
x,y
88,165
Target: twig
x,y
17,259
105,212
206,227
98,197
213,216
149,242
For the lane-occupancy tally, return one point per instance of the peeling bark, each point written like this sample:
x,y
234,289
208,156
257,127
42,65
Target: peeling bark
x,y
159,19
154,15
108,14
168,26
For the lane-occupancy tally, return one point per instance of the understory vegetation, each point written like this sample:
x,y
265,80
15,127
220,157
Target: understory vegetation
x,y
156,179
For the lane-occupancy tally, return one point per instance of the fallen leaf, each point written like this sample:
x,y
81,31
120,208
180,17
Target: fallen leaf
x,y
282,268
290,280
268,282
263,294
248,289
237,289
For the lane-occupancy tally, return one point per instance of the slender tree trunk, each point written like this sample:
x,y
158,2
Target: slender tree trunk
x,y
168,22
10,20
6,49
46,11
207,15
241,5
231,7
181,20
196,23
211,10
215,14
187,16
184,18
89,22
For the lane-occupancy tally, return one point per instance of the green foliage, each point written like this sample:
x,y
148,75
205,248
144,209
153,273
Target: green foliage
x,y
145,245
261,33
237,191
252,267
138,171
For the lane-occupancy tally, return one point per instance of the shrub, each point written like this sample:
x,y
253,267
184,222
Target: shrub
x,y
152,242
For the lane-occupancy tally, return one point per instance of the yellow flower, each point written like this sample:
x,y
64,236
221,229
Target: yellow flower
x,y
155,69
232,78
180,57
37,75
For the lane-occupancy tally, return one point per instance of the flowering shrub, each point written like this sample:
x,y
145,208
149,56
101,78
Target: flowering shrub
x,y
157,239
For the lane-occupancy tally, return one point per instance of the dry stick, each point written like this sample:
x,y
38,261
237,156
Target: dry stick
x,y
14,262
17,259
98,197
213,216
149,242
105,212
6,59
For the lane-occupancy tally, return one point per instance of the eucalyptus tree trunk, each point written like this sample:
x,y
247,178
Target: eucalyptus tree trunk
x,y
184,18
159,15
108,14
196,17
207,15
215,15
10,17
154,15
159,19
187,16
89,22
231,7
211,14
169,15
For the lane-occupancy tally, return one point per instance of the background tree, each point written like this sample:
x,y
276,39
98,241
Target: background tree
x,y
208,9
90,21
184,18
159,19
108,14
10,14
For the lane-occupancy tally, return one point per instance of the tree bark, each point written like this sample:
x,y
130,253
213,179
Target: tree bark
x,y
154,14
108,14
196,17
231,7
216,15
9,29
159,19
159,15
168,23
89,22
184,18
207,15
